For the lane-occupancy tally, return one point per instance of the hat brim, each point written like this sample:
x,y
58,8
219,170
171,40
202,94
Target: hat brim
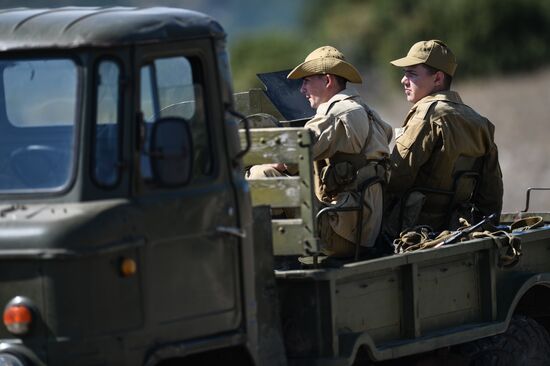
x,y
407,61
327,65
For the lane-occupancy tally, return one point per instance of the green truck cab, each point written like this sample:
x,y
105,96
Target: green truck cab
x,y
123,204
130,236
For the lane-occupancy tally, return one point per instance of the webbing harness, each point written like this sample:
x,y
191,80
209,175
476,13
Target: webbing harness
x,y
508,244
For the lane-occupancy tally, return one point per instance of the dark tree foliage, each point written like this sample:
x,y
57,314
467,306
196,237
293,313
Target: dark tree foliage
x,y
488,37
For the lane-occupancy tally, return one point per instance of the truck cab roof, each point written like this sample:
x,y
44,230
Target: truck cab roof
x,y
74,27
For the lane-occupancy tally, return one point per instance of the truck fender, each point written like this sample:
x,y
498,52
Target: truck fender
x,y
352,344
518,294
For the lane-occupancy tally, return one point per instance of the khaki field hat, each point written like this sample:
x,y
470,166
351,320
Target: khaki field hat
x,y
433,53
326,60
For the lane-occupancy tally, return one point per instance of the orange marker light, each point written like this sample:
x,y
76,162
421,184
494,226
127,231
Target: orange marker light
x,y
17,318
128,267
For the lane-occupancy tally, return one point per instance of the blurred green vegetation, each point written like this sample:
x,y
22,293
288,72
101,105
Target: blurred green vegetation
x,y
265,52
489,37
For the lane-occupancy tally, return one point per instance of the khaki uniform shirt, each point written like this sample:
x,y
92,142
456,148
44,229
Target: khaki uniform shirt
x,y
342,125
441,133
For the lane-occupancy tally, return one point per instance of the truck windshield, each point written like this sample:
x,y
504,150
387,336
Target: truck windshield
x,y
38,106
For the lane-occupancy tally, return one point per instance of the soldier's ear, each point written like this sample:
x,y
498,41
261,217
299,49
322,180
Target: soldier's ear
x,y
330,80
439,78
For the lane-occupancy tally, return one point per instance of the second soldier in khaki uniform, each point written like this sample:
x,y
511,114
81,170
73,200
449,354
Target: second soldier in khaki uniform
x,y
440,138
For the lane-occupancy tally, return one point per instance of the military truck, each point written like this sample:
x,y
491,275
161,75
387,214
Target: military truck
x,y
130,236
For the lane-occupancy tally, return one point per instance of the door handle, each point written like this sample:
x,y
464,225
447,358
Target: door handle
x,y
234,231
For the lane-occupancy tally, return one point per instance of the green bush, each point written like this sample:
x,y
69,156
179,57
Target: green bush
x,y
488,37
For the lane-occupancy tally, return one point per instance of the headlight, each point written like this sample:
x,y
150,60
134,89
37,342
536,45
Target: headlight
x,y
7,359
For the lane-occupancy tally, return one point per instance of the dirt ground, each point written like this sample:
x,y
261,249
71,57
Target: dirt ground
x,y
519,107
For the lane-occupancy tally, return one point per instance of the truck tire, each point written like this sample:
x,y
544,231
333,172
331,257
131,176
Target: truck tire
x,y
525,342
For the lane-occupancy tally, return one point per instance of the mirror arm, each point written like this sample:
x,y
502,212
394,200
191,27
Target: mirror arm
x,y
241,153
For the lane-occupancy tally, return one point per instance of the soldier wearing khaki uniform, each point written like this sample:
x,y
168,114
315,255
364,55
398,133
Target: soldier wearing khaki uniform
x,y
441,137
351,142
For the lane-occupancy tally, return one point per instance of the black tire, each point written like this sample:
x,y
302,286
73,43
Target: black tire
x,y
525,343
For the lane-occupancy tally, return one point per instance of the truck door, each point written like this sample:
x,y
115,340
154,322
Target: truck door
x,y
192,264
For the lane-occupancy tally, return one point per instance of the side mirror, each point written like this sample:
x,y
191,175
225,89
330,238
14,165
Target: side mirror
x,y
171,151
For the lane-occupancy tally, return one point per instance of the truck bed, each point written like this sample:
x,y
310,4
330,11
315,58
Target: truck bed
x,y
397,305
409,303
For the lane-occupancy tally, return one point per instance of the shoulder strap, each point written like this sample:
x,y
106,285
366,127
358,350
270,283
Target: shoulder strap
x,y
331,105
371,119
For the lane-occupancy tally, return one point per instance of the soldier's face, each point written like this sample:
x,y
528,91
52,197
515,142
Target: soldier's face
x,y
418,82
315,89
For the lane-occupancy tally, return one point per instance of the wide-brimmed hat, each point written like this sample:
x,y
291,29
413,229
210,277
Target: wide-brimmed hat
x,y
326,60
433,53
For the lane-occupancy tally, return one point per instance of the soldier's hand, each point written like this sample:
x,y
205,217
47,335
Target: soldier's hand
x,y
279,166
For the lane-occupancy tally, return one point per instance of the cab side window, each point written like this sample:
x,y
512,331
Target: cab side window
x,y
172,88
105,165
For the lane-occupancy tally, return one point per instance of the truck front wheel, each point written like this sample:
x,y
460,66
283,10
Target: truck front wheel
x,y
525,342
